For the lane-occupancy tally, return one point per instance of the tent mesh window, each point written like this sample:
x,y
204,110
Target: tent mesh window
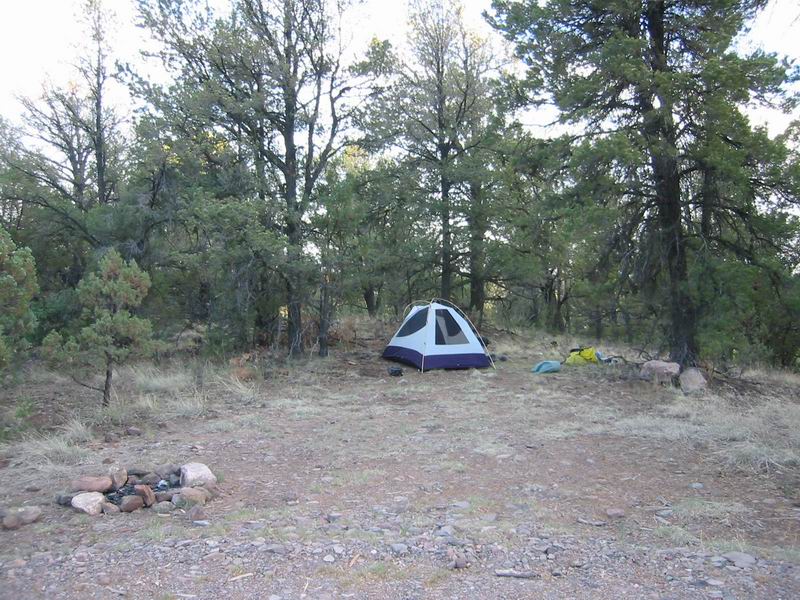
x,y
415,323
447,330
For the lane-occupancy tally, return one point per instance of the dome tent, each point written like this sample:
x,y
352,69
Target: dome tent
x,y
437,335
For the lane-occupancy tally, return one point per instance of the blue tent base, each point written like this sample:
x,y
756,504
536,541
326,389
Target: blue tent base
x,y
436,361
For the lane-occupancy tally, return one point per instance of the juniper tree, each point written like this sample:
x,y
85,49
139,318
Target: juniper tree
x,y
112,335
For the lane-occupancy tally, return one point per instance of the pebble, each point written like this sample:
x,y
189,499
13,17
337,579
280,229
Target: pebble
x,y
328,558
696,486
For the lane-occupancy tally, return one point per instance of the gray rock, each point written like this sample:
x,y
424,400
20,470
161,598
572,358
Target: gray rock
x,y
696,486
615,513
163,507
194,474
64,499
328,558
133,430
399,549
693,381
740,559
659,371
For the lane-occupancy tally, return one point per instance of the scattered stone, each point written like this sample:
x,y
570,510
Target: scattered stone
x,y
196,513
12,521
333,517
328,558
615,513
138,471
110,509
275,548
131,503
133,431
459,561
163,507
400,549
741,560
90,484
146,492
212,491
696,486
89,502
110,437
516,574
659,371
26,514
590,522
693,381
715,582
64,499
165,496
119,477
32,488
664,513
189,497
463,504
194,474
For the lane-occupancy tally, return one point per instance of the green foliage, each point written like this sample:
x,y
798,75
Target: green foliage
x,y
112,335
18,286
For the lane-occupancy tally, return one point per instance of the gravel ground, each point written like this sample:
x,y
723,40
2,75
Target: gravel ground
x,y
341,482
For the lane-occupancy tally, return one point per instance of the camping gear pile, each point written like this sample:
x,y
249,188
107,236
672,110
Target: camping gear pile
x,y
585,355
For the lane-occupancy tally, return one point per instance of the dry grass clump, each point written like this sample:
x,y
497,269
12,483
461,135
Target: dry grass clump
x,y
761,435
239,390
149,379
60,448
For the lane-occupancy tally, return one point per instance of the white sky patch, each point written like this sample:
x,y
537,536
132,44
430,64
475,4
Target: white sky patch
x,y
41,40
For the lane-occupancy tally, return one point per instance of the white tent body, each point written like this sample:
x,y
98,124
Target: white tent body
x,y
437,336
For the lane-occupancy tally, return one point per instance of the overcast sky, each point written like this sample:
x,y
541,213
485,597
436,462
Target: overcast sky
x,y
40,39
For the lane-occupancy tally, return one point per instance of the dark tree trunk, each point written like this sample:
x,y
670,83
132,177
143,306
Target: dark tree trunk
x,y
597,323
477,251
371,300
107,385
659,131
325,317
447,240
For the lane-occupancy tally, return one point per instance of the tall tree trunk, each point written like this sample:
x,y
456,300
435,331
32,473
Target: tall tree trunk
x,y
659,130
325,317
371,300
447,240
477,250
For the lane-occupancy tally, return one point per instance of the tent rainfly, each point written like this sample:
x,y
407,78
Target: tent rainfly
x,y
437,335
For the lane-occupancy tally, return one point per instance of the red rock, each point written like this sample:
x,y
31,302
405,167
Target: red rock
x,y
88,483
146,492
165,496
131,503
110,509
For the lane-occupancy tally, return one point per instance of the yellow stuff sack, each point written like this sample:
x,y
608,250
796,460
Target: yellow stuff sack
x,y
582,356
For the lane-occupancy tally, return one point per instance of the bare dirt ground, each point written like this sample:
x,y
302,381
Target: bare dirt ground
x,y
342,482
